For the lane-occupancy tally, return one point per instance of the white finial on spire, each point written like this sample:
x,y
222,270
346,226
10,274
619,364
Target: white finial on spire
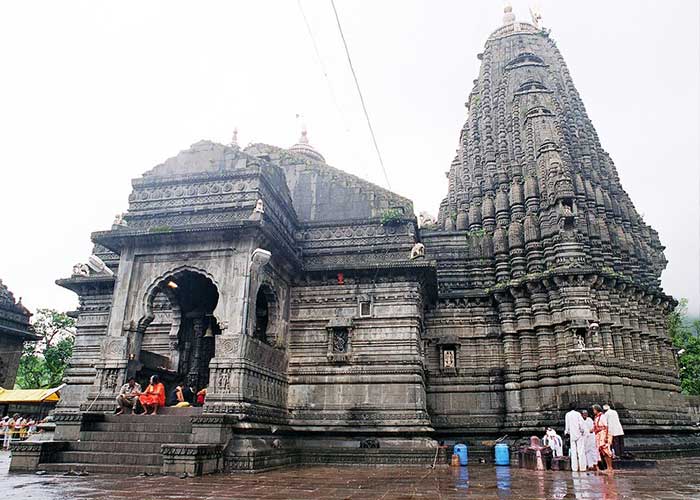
x,y
234,137
303,139
536,16
508,16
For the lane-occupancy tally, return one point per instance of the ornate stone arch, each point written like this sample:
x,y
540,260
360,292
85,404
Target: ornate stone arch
x,y
157,286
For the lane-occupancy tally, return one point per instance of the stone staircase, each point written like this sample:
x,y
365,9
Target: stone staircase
x,y
123,444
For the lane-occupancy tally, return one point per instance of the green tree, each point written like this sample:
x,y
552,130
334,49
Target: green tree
x,y
43,362
686,339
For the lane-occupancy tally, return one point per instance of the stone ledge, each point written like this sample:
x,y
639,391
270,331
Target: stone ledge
x,y
27,455
192,459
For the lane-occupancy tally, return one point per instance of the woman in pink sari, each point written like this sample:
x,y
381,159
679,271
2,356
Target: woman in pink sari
x,y
602,437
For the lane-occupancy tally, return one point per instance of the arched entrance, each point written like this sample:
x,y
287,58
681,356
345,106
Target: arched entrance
x,y
187,300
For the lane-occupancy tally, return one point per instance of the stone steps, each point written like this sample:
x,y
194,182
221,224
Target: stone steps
x,y
109,458
152,427
115,447
100,468
136,437
122,444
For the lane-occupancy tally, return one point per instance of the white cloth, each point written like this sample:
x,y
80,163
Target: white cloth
x,y
591,447
575,428
553,440
614,425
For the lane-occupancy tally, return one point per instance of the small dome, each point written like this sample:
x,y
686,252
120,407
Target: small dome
x,y
304,148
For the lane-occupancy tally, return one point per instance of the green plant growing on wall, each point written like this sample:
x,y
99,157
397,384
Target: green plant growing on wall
x,y
391,217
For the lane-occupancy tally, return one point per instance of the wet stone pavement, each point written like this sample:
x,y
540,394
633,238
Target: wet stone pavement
x,y
673,479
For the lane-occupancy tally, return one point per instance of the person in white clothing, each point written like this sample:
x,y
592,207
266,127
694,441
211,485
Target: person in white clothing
x,y
592,454
553,440
615,428
576,429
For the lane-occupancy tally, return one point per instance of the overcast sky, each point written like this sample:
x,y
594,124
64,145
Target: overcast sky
x,y
93,93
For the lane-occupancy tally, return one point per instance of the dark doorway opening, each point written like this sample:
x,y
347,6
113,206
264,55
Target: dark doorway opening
x,y
262,315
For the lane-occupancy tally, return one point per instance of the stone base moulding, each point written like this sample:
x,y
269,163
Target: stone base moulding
x,y
193,459
27,455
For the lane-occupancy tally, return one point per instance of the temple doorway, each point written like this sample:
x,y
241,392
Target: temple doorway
x,y
184,303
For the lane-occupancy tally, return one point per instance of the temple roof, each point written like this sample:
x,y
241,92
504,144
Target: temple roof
x,y
14,317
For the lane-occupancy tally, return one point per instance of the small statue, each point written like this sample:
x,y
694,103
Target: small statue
x,y
448,359
119,220
417,251
580,342
259,207
427,221
81,270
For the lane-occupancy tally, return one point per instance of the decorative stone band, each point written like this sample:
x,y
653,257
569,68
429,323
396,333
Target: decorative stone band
x,y
191,450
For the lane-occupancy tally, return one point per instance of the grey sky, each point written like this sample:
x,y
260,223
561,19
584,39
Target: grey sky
x,y
95,93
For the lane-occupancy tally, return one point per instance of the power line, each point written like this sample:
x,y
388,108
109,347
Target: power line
x,y
362,100
323,67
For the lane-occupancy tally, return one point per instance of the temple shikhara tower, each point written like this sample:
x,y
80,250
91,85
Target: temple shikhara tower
x,y
330,325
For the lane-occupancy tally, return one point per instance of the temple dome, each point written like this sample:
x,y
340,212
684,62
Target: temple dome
x,y
304,148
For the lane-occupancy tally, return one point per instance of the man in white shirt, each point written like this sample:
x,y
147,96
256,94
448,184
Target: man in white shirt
x,y
615,428
576,429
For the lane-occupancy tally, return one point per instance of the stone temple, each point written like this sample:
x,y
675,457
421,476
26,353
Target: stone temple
x,y
330,327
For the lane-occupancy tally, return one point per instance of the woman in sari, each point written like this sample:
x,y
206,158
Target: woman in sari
x,y
153,397
602,437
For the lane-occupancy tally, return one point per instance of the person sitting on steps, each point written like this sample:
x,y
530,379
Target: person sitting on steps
x,y
128,396
153,397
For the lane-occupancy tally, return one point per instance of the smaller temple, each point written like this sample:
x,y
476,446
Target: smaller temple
x,y
14,331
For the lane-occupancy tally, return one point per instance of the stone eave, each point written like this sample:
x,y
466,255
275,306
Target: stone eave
x,y
19,333
78,283
117,240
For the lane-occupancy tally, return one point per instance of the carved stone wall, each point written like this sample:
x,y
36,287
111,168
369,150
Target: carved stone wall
x,y
379,383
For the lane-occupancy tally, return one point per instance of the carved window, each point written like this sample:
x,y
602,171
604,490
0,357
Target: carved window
x,y
339,339
449,355
365,307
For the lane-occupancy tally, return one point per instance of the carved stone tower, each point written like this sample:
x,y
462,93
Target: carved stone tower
x,y
537,234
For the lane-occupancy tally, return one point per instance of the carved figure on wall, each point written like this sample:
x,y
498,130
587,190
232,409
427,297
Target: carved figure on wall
x,y
426,221
417,251
259,207
448,358
119,220
81,270
340,339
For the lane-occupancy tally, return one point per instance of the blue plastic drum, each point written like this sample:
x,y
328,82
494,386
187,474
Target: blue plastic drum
x,y
502,454
461,451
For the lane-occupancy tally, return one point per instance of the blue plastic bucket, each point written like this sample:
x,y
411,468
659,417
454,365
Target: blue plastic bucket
x,y
461,451
502,454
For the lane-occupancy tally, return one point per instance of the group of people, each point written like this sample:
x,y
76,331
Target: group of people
x,y
17,428
132,398
592,440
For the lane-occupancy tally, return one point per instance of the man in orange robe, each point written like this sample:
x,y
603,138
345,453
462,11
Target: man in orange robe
x,y
153,397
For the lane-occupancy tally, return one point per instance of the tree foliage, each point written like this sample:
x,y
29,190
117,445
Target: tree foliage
x,y
43,362
685,335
